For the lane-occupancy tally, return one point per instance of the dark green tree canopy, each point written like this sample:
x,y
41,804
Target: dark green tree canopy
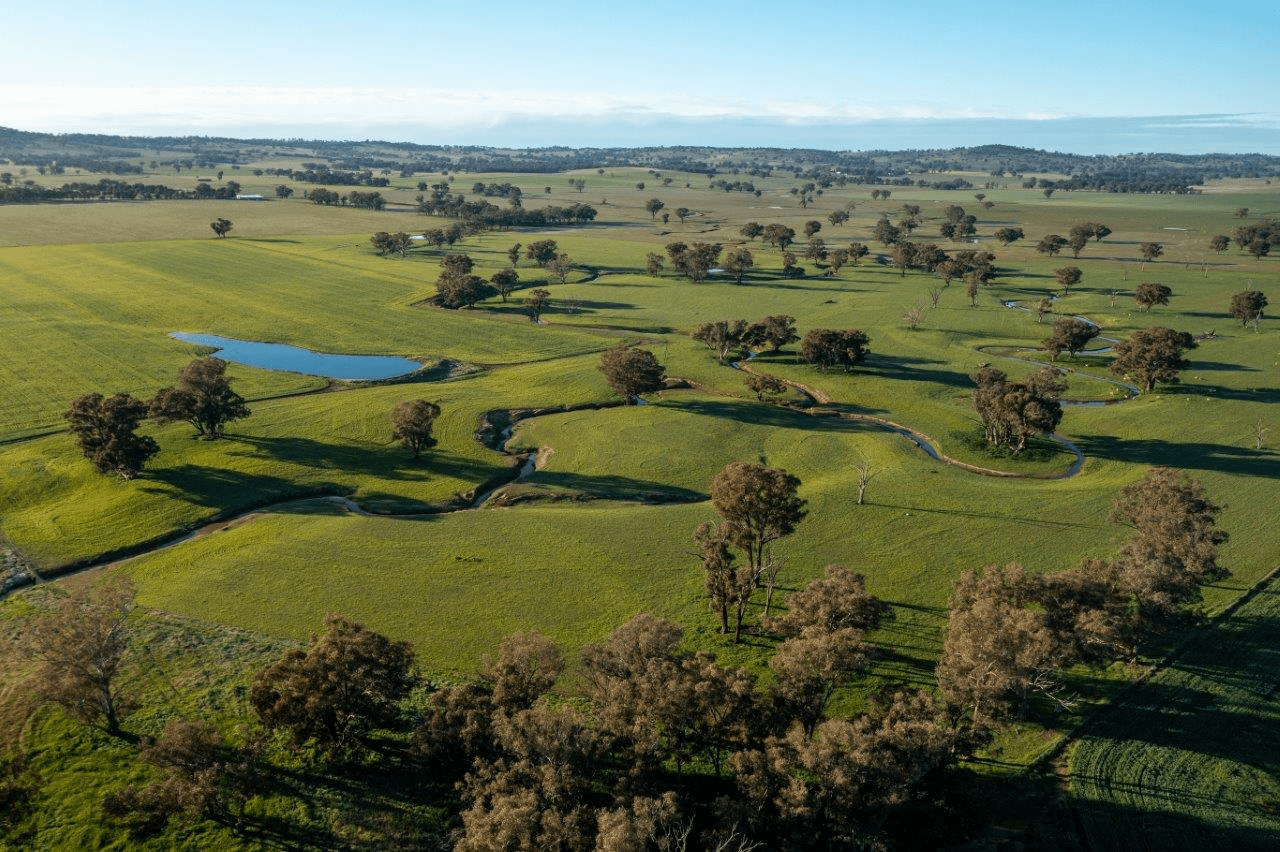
x,y
342,685
1152,355
413,423
103,427
1248,306
828,347
631,371
203,398
1149,293
1069,335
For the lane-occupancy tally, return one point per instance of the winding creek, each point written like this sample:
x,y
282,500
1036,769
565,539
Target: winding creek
x,y
496,428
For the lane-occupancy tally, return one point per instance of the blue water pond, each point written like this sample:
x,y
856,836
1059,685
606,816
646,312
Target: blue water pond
x,y
278,356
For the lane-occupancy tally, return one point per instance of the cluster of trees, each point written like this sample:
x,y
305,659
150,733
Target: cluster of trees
x,y
397,243
335,177
458,287
1152,355
1258,239
497,190
355,198
112,190
440,201
696,261
1011,412
959,225
104,427
828,347
733,338
735,186
1009,630
1082,233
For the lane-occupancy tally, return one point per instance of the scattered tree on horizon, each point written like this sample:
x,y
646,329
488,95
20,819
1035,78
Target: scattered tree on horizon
x,y
221,227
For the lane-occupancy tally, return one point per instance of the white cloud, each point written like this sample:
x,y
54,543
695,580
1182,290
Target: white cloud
x,y
201,109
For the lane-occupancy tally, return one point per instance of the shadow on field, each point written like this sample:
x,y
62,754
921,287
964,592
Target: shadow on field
x,y
381,799
613,487
1267,395
1077,825
777,417
212,486
387,462
1225,366
901,368
1223,458
1217,700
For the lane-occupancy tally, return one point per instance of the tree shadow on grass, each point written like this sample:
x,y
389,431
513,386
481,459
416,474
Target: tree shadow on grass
x,y
1189,455
1264,395
772,416
383,461
218,488
613,487
903,368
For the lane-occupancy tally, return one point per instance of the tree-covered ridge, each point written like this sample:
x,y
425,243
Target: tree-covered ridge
x,y
1141,172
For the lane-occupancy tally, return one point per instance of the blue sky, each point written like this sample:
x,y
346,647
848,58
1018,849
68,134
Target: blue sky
x,y
559,72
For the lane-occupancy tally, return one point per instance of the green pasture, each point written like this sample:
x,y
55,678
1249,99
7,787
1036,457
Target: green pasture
x,y
1187,759
83,318
337,443
602,528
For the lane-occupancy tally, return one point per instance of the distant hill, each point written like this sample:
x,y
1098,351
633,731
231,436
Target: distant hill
x,y
1115,173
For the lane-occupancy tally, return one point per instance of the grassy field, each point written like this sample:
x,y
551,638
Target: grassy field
x,y
572,550
1189,759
